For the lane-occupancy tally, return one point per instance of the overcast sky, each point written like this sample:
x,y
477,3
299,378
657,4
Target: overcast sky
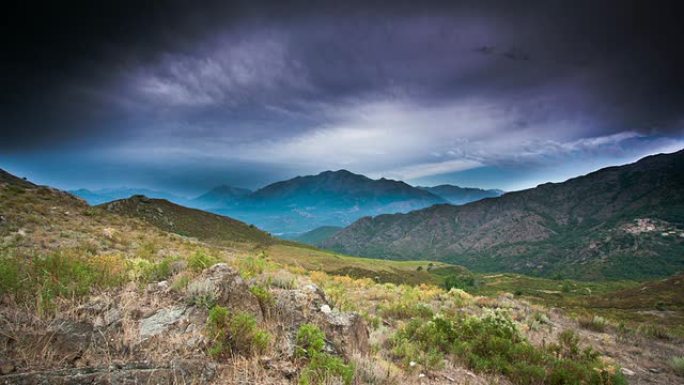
x,y
186,95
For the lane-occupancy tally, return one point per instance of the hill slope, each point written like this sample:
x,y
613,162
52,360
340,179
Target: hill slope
x,y
616,222
186,221
461,195
317,235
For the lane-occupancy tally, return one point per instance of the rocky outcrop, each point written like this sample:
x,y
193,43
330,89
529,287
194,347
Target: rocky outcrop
x,y
134,336
177,372
225,287
347,333
160,321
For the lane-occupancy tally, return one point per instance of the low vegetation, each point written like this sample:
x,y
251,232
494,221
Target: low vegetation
x,y
593,323
320,366
677,364
492,344
234,333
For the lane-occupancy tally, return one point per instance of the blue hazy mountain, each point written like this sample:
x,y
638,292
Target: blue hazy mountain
x,y
99,196
331,198
461,195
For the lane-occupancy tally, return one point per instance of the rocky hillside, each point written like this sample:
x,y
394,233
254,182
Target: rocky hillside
x,y
186,221
618,222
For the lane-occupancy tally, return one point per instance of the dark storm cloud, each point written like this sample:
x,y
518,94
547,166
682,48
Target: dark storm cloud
x,y
352,83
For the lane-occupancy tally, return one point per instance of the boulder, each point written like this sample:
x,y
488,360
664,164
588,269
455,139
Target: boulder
x,y
226,288
160,321
346,332
176,372
70,339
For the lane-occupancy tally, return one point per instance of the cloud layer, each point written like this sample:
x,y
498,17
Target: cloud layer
x,y
249,92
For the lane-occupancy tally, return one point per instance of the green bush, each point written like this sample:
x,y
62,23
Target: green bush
x,y
144,270
237,333
265,298
677,364
594,323
200,260
461,281
654,331
404,310
322,366
310,341
250,267
492,344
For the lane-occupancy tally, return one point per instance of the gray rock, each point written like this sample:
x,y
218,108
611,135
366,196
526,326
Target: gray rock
x,y
160,321
110,317
225,286
347,332
6,367
178,372
627,372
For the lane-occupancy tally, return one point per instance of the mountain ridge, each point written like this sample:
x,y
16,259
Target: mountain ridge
x,y
186,221
458,195
555,227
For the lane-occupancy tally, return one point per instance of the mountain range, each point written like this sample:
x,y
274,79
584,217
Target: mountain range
x,y
304,203
621,222
99,196
460,195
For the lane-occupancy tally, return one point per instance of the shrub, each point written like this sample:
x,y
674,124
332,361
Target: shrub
x,y
493,344
250,267
566,287
677,364
595,323
238,333
403,310
322,366
144,270
310,341
181,282
462,281
265,298
282,280
200,260
654,331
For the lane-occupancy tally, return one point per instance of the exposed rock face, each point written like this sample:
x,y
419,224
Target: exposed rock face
x,y
160,321
70,339
347,332
227,288
177,372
